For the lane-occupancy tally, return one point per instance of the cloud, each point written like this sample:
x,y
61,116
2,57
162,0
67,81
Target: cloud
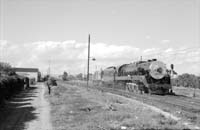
x,y
148,37
184,59
103,50
165,41
67,55
169,50
150,50
3,43
71,56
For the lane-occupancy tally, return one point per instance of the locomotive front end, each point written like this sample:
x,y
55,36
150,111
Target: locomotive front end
x,y
158,79
157,69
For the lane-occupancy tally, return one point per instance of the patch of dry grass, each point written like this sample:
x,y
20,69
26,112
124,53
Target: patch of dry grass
x,y
187,91
76,108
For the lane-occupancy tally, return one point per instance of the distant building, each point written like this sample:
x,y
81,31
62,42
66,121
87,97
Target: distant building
x,y
28,72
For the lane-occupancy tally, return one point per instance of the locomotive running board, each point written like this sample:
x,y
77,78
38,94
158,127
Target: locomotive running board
x,y
133,78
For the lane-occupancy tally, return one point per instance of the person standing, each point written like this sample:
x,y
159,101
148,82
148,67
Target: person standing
x,y
27,82
49,84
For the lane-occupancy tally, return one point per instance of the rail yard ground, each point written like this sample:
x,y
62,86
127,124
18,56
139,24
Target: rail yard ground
x,y
74,107
189,92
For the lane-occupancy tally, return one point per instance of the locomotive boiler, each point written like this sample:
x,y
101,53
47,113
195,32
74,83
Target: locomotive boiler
x,y
149,76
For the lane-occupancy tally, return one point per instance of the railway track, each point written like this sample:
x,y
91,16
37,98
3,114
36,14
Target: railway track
x,y
184,102
186,107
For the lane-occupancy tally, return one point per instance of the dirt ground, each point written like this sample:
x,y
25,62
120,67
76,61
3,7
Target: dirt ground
x,y
76,108
71,107
190,92
28,110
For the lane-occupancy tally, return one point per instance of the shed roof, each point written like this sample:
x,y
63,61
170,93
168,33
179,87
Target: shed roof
x,y
26,69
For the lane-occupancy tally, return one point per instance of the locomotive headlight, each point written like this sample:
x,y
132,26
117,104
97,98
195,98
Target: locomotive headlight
x,y
157,69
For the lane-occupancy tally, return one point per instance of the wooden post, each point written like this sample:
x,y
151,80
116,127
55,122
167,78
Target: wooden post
x,y
88,64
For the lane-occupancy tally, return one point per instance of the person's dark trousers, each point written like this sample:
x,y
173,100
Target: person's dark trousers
x,y
49,88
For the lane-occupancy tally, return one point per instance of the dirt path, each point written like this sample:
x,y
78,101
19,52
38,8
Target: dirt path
x,y
28,110
42,110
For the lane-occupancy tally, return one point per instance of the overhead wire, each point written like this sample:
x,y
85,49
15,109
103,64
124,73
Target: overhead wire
x,y
173,53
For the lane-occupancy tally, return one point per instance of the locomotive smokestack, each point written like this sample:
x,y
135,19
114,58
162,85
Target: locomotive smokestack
x,y
140,58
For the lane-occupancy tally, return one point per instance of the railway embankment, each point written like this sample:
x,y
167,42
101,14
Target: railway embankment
x,y
180,105
74,106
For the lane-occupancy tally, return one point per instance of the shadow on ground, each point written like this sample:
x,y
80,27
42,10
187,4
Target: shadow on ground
x,y
18,110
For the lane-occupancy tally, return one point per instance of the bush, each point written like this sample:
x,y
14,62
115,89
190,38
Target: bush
x,y
64,76
9,85
53,81
5,68
187,80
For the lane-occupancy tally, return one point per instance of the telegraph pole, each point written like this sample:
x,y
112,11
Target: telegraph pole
x,y
88,64
172,76
49,67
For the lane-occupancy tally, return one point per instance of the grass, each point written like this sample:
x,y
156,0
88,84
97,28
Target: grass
x,y
76,108
187,91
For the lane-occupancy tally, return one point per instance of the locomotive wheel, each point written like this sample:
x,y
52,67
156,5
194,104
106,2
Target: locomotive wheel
x,y
131,88
127,87
135,88
141,88
149,91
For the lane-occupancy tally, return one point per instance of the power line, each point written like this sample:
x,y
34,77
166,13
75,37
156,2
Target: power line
x,y
160,54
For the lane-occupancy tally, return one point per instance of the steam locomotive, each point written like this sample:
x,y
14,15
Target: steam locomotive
x,y
149,76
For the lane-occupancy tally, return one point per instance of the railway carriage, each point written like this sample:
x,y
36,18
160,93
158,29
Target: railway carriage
x,y
149,76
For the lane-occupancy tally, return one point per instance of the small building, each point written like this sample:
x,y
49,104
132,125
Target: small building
x,y
31,73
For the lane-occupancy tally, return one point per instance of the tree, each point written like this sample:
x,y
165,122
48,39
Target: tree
x,y
187,80
5,68
71,77
65,76
79,76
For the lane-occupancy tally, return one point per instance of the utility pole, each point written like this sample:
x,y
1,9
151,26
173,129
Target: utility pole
x,y
49,67
88,65
171,77
195,85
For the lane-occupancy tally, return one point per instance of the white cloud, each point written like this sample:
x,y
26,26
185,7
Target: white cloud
x,y
148,37
165,41
3,43
152,52
113,12
66,55
169,50
72,56
103,50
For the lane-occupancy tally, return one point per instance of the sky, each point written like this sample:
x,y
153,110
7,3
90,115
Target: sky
x,y
39,33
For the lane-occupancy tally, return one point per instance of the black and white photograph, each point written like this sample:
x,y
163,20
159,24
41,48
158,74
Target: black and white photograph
x,y
99,64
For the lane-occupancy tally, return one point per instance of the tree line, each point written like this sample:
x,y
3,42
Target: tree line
x,y
187,80
65,76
